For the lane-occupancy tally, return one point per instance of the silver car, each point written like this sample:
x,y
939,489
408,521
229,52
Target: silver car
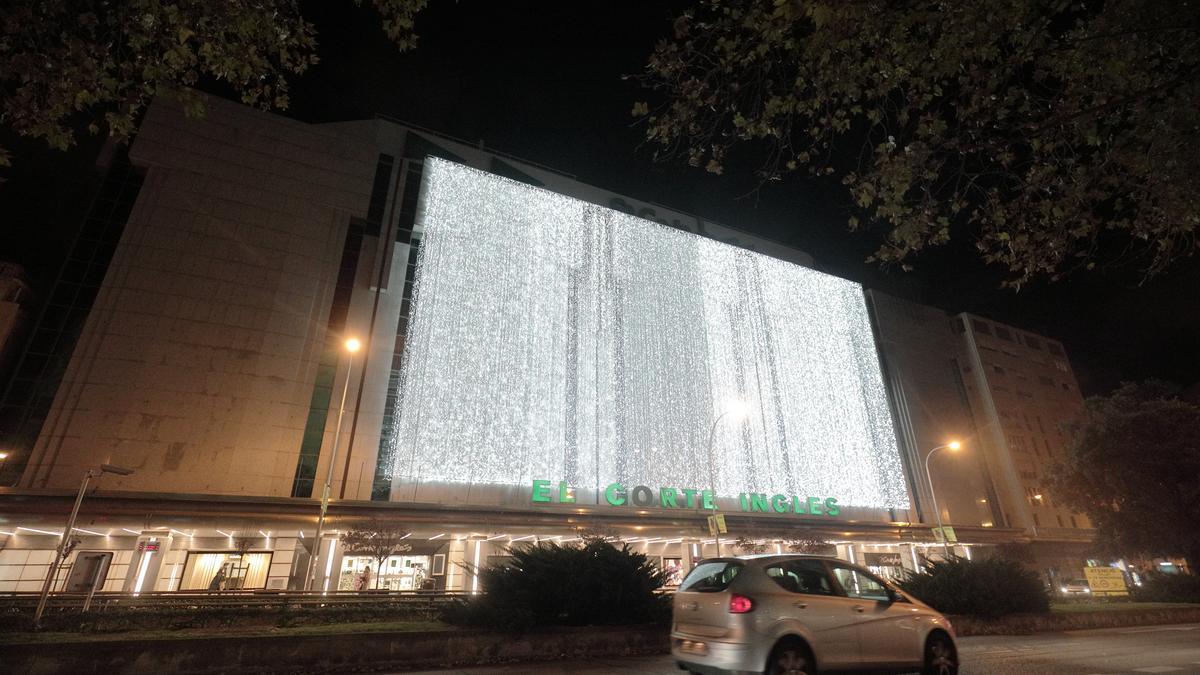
x,y
799,613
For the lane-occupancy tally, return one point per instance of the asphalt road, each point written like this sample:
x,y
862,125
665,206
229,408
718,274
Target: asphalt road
x,y
1149,649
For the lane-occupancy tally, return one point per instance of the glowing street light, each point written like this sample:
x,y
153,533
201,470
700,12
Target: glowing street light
x,y
352,345
735,409
953,446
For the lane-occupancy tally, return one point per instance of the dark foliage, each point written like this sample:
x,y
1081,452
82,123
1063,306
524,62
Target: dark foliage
x,y
1168,588
552,585
988,588
1133,466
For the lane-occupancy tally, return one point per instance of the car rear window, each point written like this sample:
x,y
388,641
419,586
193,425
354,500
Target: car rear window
x,y
711,577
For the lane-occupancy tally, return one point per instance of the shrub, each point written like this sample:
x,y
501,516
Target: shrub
x,y
988,588
553,585
1168,588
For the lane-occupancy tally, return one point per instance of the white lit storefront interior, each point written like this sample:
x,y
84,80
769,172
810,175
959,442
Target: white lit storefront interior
x,y
204,559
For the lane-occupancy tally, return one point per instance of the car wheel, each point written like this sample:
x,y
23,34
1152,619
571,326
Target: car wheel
x,y
940,656
791,658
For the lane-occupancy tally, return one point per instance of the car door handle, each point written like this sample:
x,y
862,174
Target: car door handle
x,y
801,605
860,609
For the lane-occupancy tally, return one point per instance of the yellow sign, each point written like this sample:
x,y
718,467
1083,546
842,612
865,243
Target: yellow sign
x,y
717,524
1106,581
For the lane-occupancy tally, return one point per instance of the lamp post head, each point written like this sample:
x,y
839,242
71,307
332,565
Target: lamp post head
x,y
352,345
3,455
954,445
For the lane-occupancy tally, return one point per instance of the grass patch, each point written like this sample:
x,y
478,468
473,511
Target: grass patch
x,y
220,633
1098,605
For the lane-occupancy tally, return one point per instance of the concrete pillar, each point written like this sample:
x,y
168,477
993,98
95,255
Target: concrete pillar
x,y
456,557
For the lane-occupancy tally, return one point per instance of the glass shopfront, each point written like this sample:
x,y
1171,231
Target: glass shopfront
x,y
399,573
225,570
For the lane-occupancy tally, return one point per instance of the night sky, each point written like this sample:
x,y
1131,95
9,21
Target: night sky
x,y
542,81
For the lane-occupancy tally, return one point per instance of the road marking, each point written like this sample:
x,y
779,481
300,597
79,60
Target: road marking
x,y
1157,669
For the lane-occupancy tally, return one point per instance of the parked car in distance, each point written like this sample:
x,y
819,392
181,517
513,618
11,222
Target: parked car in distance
x,y
1075,587
797,614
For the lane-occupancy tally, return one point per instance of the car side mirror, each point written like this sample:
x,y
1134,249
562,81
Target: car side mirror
x,y
896,596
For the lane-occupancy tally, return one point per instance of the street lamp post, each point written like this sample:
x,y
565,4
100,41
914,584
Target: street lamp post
x,y
64,547
953,446
737,409
352,345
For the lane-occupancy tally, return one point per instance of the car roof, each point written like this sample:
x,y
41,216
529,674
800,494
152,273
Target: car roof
x,y
758,557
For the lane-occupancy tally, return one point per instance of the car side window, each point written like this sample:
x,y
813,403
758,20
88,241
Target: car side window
x,y
801,576
859,584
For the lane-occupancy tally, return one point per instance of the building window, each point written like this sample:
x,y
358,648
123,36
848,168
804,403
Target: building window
x,y
1037,522
1060,520
1004,333
999,370
1033,342
1074,523
318,411
225,571
1054,349
981,327
1045,380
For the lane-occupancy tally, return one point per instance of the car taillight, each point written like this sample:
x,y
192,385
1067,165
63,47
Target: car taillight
x,y
740,604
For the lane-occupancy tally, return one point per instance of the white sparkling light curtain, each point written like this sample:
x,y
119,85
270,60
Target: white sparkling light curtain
x,y
551,338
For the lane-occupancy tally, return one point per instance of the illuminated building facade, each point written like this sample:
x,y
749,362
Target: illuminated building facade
x,y
541,359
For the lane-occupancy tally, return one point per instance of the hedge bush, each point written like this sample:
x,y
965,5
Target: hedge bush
x,y
1168,588
552,585
987,588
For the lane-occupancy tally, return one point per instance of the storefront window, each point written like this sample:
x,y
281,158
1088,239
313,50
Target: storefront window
x,y
226,570
399,573
673,568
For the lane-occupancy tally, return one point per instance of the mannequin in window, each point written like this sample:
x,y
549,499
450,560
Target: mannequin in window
x,y
218,580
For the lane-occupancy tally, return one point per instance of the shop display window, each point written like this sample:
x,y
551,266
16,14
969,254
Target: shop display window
x,y
398,573
225,571
673,568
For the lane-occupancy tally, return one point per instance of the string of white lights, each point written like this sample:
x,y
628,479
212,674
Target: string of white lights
x,y
552,338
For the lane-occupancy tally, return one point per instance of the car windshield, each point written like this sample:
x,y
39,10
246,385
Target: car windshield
x,y
711,577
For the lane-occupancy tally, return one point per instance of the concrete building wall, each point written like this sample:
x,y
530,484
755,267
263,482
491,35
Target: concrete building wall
x,y
921,364
196,365
1022,392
